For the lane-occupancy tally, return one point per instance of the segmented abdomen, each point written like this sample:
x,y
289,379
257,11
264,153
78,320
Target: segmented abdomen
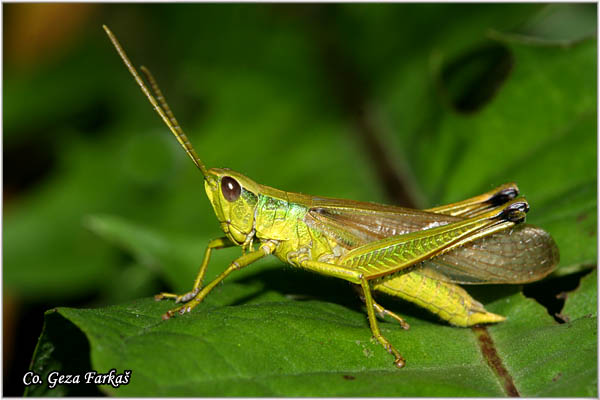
x,y
451,302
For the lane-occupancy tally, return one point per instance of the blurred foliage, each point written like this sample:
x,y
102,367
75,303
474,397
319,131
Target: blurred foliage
x,y
347,101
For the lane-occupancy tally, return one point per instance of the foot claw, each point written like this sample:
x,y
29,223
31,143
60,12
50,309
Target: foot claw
x,y
399,363
178,298
184,310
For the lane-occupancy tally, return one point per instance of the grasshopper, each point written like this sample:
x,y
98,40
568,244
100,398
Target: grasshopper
x,y
417,255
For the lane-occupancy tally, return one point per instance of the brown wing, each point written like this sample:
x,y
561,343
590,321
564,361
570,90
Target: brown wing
x,y
355,223
520,254
524,253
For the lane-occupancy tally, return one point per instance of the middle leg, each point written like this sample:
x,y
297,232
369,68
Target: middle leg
x,y
358,278
398,359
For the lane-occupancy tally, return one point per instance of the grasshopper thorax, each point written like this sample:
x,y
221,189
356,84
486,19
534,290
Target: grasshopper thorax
x,y
234,198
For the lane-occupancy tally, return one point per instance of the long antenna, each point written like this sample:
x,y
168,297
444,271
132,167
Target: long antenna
x,y
163,108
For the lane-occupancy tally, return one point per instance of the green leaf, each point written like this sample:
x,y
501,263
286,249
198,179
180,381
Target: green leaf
x,y
275,346
583,301
539,354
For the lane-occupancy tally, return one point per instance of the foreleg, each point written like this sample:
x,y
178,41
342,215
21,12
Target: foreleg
x,y
214,244
264,250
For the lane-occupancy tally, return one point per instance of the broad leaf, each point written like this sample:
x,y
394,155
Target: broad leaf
x,y
274,346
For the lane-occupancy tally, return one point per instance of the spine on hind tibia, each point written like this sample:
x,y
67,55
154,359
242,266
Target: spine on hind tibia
x,y
451,302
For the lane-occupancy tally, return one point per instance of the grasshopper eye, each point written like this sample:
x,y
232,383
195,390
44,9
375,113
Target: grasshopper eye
x,y
231,188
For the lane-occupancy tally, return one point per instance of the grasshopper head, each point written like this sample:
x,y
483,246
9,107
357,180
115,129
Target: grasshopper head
x,y
234,198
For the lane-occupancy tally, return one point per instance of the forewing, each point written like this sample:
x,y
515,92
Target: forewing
x,y
354,223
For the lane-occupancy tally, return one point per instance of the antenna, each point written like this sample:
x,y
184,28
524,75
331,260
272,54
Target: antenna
x,y
163,108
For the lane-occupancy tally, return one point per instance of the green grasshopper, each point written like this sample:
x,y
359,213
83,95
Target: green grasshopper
x,y
416,255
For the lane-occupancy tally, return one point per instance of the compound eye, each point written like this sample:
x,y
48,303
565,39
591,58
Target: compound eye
x,y
231,188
